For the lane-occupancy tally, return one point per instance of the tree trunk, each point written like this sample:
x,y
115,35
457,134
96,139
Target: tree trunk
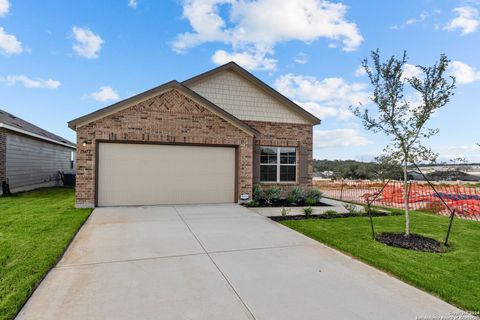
x,y
405,196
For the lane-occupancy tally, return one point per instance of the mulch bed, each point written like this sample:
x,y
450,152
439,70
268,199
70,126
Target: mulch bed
x,y
413,242
283,203
327,216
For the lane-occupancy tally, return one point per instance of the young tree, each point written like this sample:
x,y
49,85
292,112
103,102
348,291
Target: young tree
x,y
401,117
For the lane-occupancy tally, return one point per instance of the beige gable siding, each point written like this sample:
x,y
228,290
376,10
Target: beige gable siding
x,y
243,99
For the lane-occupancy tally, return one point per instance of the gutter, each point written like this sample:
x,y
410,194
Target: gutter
x,y
31,134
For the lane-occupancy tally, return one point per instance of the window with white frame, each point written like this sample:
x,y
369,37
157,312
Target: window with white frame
x,y
278,164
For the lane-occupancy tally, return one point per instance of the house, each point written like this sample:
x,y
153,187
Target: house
x,y
31,157
208,139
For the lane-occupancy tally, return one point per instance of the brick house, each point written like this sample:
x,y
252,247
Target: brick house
x,y
209,139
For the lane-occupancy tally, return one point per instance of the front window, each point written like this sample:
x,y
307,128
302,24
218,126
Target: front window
x,y
278,164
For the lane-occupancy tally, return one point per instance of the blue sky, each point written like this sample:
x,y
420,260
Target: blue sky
x,y
63,59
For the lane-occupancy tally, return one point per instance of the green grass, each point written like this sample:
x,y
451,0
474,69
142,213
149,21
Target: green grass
x,y
453,276
35,229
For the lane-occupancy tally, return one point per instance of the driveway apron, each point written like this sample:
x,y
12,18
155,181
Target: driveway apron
x,y
214,262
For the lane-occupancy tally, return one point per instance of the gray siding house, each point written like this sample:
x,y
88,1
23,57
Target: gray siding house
x,y
31,157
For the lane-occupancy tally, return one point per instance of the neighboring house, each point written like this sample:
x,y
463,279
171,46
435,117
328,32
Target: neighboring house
x,y
209,139
31,157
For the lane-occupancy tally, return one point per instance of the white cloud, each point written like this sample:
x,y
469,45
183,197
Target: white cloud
x,y
248,59
105,93
360,71
322,111
87,44
467,20
410,71
4,7
447,152
132,4
301,58
27,82
9,44
339,138
463,73
322,97
245,30
422,17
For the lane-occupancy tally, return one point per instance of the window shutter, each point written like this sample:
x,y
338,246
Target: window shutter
x,y
303,165
256,164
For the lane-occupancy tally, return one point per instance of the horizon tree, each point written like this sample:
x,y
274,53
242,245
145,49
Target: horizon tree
x,y
403,105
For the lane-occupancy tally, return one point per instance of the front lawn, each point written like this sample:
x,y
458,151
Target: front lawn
x,y
454,276
35,229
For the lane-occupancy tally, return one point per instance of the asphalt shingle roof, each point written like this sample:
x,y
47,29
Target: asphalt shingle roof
x,y
14,121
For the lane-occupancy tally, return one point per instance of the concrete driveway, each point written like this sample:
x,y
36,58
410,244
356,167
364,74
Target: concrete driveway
x,y
214,262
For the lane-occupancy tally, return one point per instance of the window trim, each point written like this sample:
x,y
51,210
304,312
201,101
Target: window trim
x,y
278,165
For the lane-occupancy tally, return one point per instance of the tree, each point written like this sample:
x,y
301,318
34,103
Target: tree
x,y
387,168
402,108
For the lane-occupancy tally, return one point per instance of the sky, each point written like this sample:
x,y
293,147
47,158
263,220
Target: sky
x,y
63,59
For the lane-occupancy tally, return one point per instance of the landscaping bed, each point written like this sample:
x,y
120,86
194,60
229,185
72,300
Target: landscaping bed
x,y
35,229
281,203
297,197
412,242
327,215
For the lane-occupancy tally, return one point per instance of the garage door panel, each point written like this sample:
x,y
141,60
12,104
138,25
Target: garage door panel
x,y
143,174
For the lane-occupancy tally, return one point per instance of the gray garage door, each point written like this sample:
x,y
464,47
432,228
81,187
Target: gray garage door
x,y
146,174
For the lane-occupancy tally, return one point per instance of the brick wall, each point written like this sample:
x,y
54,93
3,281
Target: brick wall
x,y
167,118
275,134
3,155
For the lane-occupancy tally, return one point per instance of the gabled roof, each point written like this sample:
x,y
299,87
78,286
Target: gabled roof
x,y
232,66
155,91
14,123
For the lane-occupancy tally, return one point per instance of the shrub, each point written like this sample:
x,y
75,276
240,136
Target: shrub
x,y
272,195
330,212
253,203
308,211
258,193
284,212
310,201
296,194
290,199
314,193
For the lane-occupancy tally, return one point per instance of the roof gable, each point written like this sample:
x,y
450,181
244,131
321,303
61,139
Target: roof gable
x,y
124,104
245,96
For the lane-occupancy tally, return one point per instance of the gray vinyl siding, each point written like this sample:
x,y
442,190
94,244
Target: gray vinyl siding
x,y
33,163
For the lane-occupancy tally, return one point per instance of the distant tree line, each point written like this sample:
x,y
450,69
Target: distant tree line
x,y
352,169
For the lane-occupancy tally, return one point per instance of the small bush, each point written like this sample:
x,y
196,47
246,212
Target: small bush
x,y
284,212
272,195
314,193
310,201
308,211
253,203
258,193
290,200
296,194
330,212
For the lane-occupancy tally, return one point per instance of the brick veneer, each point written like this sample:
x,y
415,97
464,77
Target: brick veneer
x,y
275,134
3,155
167,118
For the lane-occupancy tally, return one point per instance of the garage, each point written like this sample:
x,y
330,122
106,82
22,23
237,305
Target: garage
x,y
151,174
